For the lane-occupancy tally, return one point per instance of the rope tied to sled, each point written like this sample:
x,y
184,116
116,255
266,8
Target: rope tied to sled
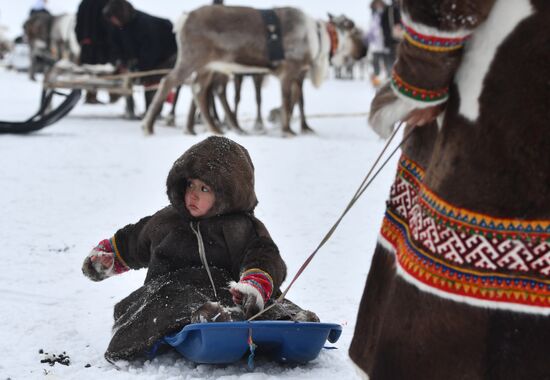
x,y
252,347
202,255
361,189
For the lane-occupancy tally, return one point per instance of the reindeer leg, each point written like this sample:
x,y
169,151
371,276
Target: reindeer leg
x,y
287,105
190,128
33,66
258,81
238,81
203,91
171,118
212,110
300,95
129,112
174,78
230,115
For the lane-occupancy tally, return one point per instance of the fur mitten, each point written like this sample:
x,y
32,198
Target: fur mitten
x,y
101,262
252,291
386,109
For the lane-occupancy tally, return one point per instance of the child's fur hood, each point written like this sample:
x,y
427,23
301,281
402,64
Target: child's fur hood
x,y
223,165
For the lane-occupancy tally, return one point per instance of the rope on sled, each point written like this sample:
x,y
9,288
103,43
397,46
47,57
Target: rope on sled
x,y
202,254
362,187
252,347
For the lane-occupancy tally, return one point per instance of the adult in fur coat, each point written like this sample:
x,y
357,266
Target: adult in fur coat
x,y
459,284
194,253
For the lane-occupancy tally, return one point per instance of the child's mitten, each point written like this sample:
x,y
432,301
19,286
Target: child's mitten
x,y
101,262
252,291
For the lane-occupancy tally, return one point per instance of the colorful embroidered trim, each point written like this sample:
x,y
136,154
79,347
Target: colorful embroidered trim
x,y
120,264
512,270
468,221
433,43
333,35
416,93
260,280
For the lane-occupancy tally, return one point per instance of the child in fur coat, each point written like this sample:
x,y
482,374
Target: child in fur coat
x,y
207,241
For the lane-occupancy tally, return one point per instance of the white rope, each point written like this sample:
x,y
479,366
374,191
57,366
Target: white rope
x,y
202,255
362,187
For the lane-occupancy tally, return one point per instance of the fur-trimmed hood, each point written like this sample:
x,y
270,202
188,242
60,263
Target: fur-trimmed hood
x,y
223,165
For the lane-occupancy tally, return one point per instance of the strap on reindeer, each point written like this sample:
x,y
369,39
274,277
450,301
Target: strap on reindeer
x,y
273,35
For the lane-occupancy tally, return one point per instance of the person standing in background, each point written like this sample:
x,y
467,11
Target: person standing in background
x,y
93,35
145,42
392,28
376,43
39,7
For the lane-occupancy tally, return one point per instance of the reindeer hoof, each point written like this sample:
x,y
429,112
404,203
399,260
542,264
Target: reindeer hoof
x,y
131,116
147,131
170,121
262,131
259,125
216,131
306,130
288,133
241,131
189,132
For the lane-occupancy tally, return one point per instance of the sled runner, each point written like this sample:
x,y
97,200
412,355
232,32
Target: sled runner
x,y
43,117
228,342
66,76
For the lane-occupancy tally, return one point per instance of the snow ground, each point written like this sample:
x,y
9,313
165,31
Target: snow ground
x,y
72,184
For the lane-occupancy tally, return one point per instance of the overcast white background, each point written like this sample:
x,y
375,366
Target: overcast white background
x,y
14,12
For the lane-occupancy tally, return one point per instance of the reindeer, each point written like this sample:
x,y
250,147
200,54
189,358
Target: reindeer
x,y
232,40
50,38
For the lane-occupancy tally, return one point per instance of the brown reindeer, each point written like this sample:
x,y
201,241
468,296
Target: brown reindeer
x,y
232,40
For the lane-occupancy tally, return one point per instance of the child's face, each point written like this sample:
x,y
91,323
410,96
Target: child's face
x,y
199,197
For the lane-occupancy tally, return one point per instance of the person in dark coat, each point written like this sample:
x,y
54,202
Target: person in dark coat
x,y
94,37
207,245
145,41
392,28
92,33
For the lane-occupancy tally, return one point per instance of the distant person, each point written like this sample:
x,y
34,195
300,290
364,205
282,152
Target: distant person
x,y
94,37
145,42
392,28
376,42
39,7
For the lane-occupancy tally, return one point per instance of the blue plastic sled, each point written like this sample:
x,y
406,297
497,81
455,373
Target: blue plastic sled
x,y
227,342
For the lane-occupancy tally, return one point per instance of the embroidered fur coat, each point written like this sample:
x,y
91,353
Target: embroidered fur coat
x,y
459,285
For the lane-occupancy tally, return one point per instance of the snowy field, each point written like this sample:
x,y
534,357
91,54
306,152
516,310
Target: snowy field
x,y
65,188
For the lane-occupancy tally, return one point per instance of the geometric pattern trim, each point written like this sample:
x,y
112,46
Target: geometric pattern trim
x,y
463,253
433,43
416,93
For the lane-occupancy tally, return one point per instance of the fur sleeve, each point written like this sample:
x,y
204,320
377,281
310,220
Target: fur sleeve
x,y
435,32
258,251
132,245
